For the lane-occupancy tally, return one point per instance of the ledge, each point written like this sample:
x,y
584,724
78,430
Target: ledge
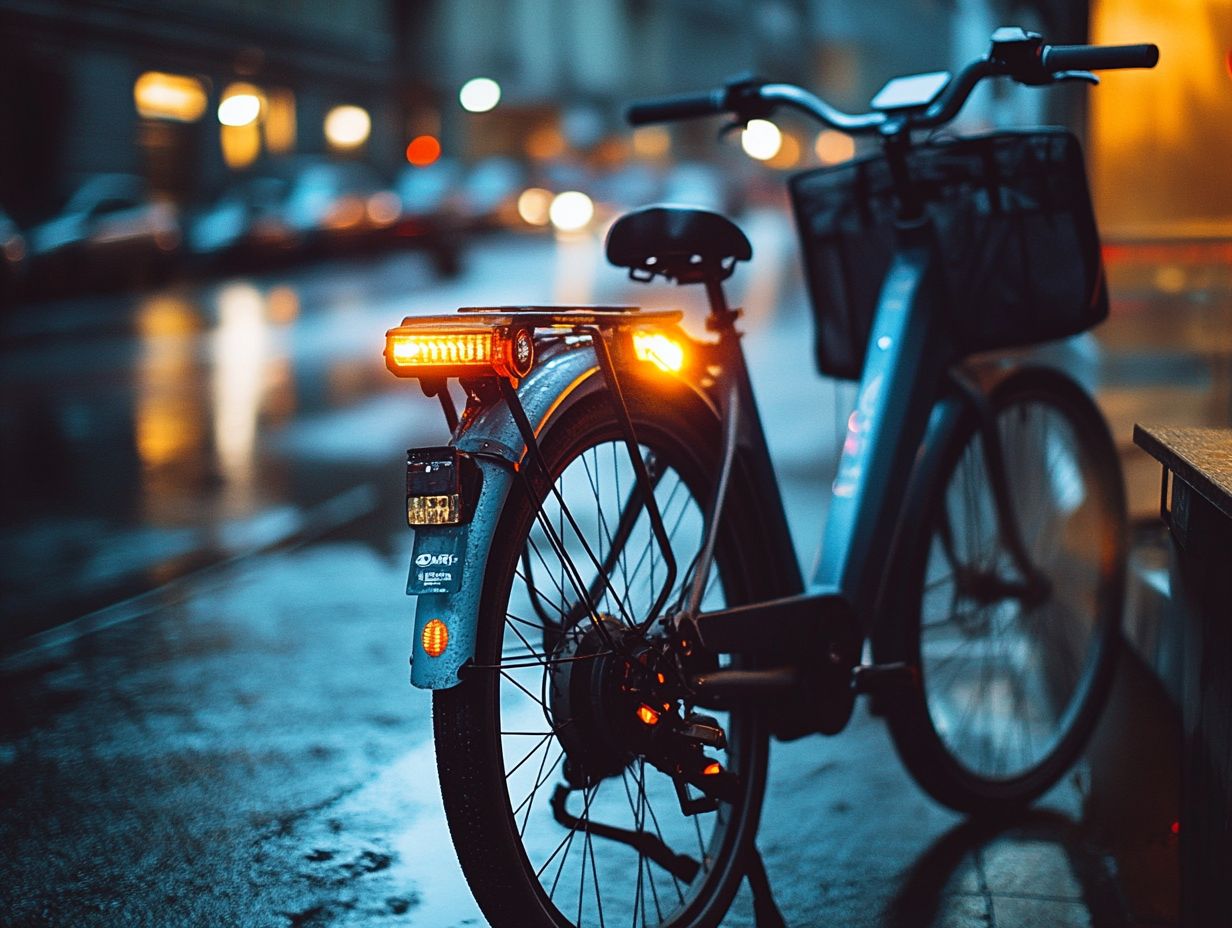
x,y
1200,457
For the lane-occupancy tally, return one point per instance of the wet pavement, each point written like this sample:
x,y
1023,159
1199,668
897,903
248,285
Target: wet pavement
x,y
205,484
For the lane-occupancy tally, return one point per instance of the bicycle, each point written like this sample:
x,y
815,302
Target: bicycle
x,y
601,551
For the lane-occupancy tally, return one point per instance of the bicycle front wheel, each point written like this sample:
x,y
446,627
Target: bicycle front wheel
x,y
557,815
1012,673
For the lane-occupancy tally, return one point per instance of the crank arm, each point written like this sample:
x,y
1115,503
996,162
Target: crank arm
x,y
681,866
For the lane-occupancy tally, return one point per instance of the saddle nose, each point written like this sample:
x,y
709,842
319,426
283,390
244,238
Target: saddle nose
x,y
681,243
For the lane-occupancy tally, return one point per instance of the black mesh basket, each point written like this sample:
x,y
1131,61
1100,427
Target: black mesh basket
x,y
1015,227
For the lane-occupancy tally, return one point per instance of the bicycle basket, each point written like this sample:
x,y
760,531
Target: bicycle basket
x,y
1015,229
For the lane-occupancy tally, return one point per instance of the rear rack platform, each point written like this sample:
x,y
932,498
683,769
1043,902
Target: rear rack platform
x,y
546,317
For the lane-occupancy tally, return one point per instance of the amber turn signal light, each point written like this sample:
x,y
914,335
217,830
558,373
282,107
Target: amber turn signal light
x,y
435,638
421,351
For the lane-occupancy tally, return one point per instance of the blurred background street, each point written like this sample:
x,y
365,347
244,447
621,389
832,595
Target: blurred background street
x,y
211,215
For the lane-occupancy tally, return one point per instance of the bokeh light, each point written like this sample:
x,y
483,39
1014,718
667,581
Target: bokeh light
x,y
833,147
651,141
761,139
239,109
479,94
533,206
177,97
347,126
788,155
423,150
571,211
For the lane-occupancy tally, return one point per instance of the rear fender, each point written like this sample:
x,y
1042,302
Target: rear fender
x,y
566,374
491,437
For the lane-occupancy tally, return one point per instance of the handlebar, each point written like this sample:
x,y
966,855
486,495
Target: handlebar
x,y
684,106
1097,57
1015,53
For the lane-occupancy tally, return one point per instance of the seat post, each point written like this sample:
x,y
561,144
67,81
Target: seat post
x,y
721,315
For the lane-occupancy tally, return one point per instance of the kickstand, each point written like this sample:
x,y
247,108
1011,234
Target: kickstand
x,y
765,913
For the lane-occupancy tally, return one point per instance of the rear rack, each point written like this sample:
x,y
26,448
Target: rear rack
x,y
543,317
496,344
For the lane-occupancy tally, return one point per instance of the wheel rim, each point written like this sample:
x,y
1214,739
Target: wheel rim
x,y
585,875
1004,679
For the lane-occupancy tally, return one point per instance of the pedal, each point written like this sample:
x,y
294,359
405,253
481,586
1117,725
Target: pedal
x,y
693,805
704,729
884,679
715,782
687,764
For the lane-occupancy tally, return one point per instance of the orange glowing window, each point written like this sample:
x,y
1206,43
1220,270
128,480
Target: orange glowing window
x,y
423,150
647,715
177,97
435,638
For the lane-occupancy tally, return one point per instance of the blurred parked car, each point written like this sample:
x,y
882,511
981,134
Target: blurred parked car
x,y
12,259
490,193
109,232
244,226
432,215
330,205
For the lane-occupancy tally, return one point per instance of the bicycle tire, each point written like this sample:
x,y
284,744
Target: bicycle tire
x,y
1024,671
488,817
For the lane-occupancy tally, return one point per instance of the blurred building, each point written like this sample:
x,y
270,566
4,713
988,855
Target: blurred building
x,y
188,94
135,87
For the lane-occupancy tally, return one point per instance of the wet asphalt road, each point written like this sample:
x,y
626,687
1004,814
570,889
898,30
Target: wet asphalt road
x,y
207,481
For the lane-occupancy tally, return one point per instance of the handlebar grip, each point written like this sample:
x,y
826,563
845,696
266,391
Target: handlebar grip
x,y
1097,57
668,109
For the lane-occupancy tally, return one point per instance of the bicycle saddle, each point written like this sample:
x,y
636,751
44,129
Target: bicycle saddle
x,y
682,243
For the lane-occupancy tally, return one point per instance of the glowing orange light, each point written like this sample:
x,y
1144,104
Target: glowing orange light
x,y
833,147
409,350
664,353
412,350
435,638
662,679
423,150
347,213
647,715
788,155
169,96
712,768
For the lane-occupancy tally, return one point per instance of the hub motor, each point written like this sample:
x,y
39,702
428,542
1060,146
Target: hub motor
x,y
594,693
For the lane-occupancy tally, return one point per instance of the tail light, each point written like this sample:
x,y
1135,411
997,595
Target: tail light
x,y
430,352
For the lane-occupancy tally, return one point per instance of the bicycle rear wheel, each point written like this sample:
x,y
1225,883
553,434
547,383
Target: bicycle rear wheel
x,y
1011,682
560,821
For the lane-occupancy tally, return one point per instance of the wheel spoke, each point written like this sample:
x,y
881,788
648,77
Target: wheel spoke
x,y
1001,675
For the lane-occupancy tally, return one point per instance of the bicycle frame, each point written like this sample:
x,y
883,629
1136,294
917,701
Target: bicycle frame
x,y
905,364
